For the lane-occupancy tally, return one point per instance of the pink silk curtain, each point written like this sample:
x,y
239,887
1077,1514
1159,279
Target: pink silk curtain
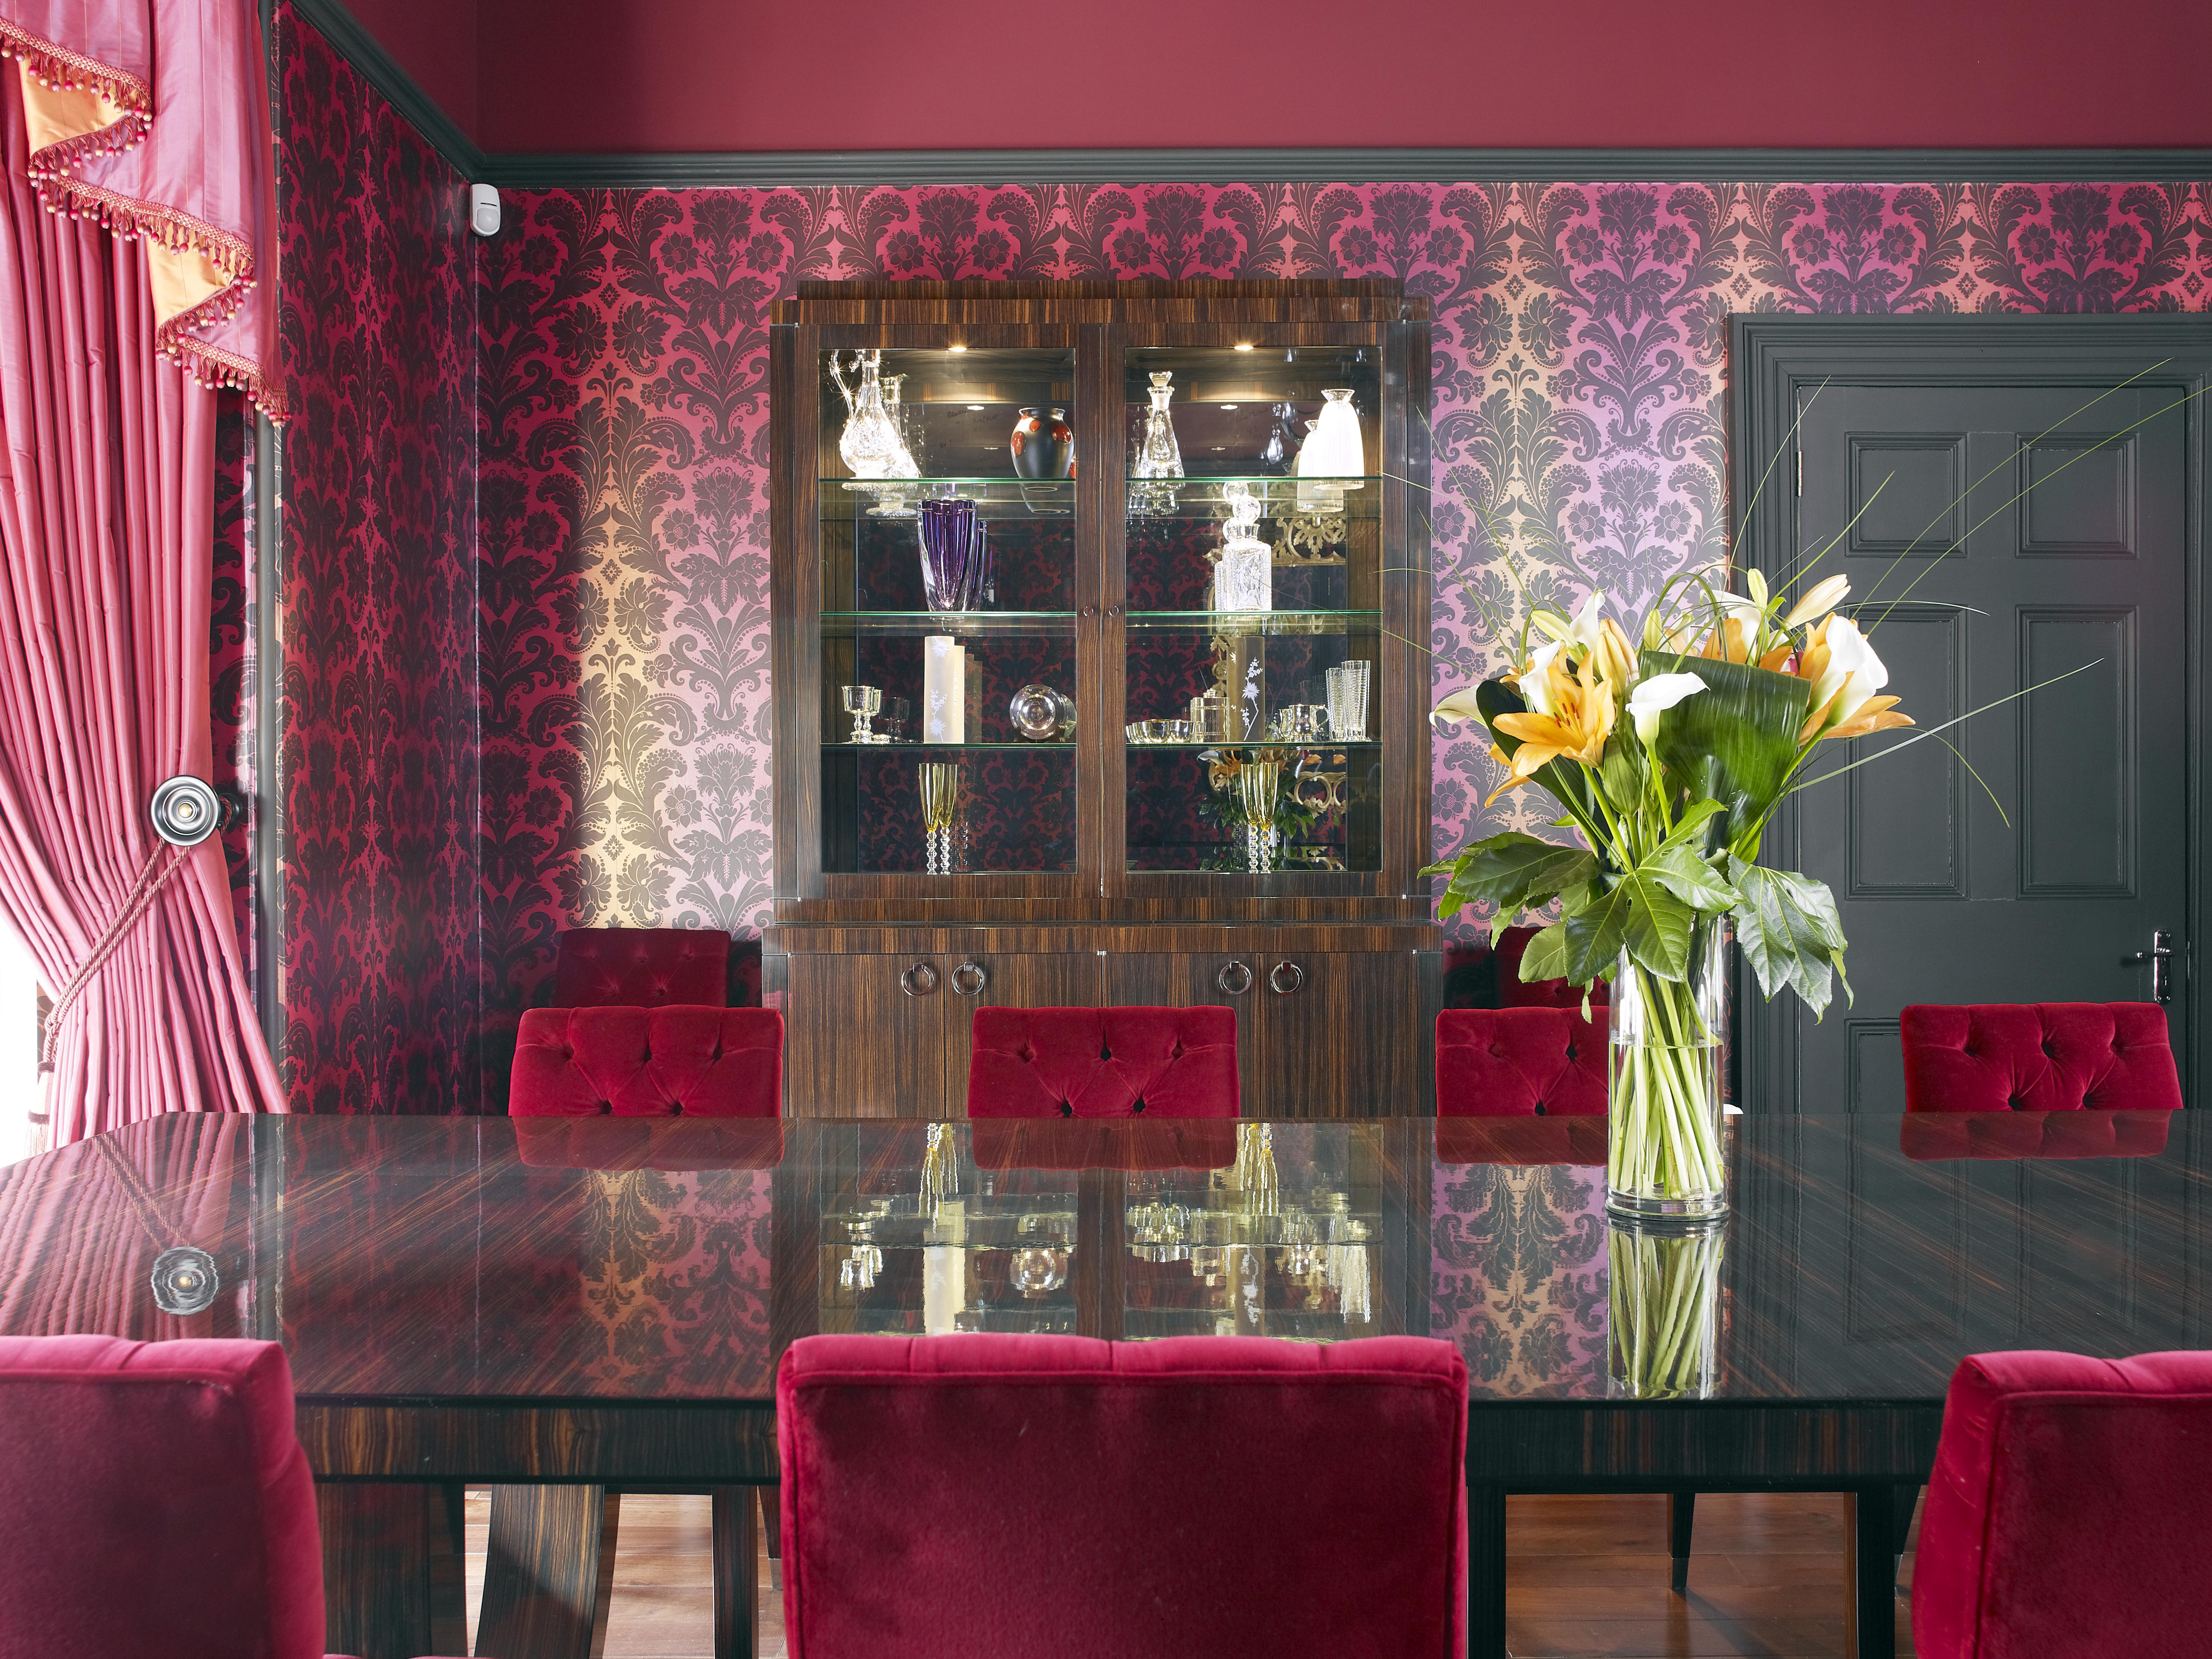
x,y
152,117
106,549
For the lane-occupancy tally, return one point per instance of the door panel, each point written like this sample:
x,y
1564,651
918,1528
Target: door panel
x,y
1148,979
1070,980
1338,1037
858,1042
2059,547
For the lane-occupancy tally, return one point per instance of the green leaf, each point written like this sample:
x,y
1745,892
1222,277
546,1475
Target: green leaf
x,y
1736,741
1546,957
1635,915
1790,933
1513,872
1691,822
1678,868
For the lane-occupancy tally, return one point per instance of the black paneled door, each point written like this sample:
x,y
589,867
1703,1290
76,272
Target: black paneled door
x,y
1996,537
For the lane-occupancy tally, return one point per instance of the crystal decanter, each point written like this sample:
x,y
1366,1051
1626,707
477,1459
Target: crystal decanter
x,y
870,445
1244,570
1159,456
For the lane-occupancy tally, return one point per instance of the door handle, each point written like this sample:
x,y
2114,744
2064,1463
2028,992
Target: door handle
x,y
970,978
2160,958
918,980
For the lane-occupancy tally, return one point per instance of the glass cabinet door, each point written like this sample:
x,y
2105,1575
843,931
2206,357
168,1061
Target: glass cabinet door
x,y
1252,572
946,499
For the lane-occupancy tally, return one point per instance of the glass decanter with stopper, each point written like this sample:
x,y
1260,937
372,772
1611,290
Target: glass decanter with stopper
x,y
1245,569
871,444
1159,456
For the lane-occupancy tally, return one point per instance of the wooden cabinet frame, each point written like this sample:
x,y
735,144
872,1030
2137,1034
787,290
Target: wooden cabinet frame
x,y
1100,910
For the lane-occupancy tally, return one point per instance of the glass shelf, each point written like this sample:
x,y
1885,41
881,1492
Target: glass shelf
x,y
997,497
963,624
1247,622
935,748
1207,497
1318,745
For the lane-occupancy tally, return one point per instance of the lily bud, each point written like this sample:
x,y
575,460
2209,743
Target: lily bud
x,y
1819,603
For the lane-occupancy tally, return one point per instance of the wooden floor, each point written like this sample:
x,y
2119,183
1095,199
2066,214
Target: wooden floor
x,y
1588,1579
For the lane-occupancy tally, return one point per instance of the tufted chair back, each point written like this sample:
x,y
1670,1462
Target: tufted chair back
x,y
1103,1063
642,968
2040,1454
154,1499
649,1062
1519,1062
1001,1497
2038,1057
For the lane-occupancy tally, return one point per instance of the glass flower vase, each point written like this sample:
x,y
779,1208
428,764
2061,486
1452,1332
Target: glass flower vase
x,y
1666,1067
1662,1307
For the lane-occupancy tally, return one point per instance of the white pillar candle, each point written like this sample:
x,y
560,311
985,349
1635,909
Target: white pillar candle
x,y
943,689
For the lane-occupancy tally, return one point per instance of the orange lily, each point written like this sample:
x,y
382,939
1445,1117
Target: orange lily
x,y
1874,715
1583,710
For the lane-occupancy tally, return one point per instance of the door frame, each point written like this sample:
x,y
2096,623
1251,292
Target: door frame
x,y
1772,357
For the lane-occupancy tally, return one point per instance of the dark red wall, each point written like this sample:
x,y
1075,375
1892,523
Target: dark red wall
x,y
436,41
708,75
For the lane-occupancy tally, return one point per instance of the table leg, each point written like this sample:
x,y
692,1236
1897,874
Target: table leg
x,y
392,1569
1871,1565
1485,1572
548,1571
1682,1517
737,1570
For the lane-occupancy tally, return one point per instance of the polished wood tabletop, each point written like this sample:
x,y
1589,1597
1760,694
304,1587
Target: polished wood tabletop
x,y
604,1300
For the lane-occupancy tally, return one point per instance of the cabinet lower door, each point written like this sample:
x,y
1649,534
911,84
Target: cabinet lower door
x,y
865,1036
1149,979
990,981
1338,1036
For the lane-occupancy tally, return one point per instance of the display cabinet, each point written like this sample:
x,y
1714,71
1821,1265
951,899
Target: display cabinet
x,y
1099,613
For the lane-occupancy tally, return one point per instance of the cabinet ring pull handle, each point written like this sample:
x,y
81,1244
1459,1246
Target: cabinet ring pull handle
x,y
1241,977
960,977
1275,978
918,980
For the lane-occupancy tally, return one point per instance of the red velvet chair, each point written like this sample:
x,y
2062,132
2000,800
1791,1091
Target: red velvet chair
x,y
2066,1512
2038,1057
1521,1062
1008,1497
642,968
647,1062
154,1500
1103,1063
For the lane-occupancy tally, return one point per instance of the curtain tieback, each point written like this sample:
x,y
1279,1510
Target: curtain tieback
x,y
164,862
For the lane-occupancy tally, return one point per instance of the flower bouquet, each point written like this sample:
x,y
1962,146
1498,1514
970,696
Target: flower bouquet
x,y
1669,751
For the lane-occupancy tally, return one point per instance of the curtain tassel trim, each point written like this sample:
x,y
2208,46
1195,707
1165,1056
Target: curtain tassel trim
x,y
61,192
164,862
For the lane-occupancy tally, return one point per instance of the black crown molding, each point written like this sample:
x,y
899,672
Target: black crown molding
x,y
766,170
359,48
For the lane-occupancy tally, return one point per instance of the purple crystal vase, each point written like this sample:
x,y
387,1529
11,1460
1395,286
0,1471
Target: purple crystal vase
x,y
956,554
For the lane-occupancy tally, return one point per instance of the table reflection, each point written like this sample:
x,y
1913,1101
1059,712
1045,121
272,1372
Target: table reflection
x,y
672,1261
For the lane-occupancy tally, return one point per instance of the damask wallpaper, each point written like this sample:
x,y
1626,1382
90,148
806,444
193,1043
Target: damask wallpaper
x,y
1580,341
378,681
590,746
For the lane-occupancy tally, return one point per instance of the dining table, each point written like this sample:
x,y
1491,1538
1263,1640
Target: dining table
x,y
567,1309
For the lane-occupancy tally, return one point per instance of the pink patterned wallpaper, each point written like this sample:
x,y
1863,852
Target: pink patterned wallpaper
x,y
1580,343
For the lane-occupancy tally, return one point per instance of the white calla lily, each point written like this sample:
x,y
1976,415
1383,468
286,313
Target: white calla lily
x,y
1460,706
1534,686
1654,697
1583,631
1854,673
